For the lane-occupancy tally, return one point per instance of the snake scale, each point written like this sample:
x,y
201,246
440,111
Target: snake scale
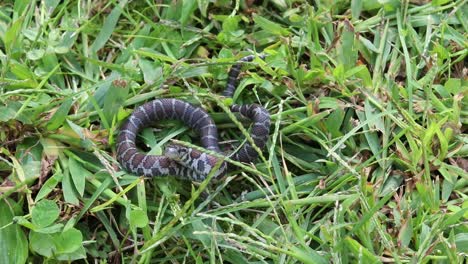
x,y
180,161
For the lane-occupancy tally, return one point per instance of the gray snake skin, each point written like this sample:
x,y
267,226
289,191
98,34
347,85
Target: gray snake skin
x,y
179,161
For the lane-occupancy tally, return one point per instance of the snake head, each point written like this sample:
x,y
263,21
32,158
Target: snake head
x,y
176,152
200,163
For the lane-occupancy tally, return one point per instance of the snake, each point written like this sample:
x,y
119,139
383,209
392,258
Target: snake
x,y
186,162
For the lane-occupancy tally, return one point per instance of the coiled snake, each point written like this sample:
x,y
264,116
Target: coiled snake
x,y
180,161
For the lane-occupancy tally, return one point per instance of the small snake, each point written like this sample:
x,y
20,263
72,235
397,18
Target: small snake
x,y
184,162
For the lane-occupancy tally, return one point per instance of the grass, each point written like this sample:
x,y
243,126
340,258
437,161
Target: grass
x,y
366,162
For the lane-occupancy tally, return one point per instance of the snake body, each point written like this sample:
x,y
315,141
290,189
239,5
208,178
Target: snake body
x,y
183,162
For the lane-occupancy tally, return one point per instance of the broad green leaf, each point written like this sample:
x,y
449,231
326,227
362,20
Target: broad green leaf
x,y
270,26
429,134
195,227
193,72
50,63
231,32
68,241
461,241
7,113
51,147
49,229
23,72
356,8
152,72
295,18
11,35
454,218
48,186
138,218
60,115
329,102
426,231
203,6
78,175
79,253
44,213
85,142
114,99
31,168
20,7
347,53
13,241
456,35
361,253
68,190
371,135
444,145
339,73
188,6
50,5
42,244
334,122
233,256
406,232
35,54
281,4
307,255
231,23
392,183
363,73
453,86
108,27
442,53
447,188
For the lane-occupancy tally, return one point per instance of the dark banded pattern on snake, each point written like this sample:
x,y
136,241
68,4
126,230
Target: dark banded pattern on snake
x,y
179,161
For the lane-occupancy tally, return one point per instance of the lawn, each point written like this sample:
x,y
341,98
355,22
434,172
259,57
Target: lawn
x,y
366,160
